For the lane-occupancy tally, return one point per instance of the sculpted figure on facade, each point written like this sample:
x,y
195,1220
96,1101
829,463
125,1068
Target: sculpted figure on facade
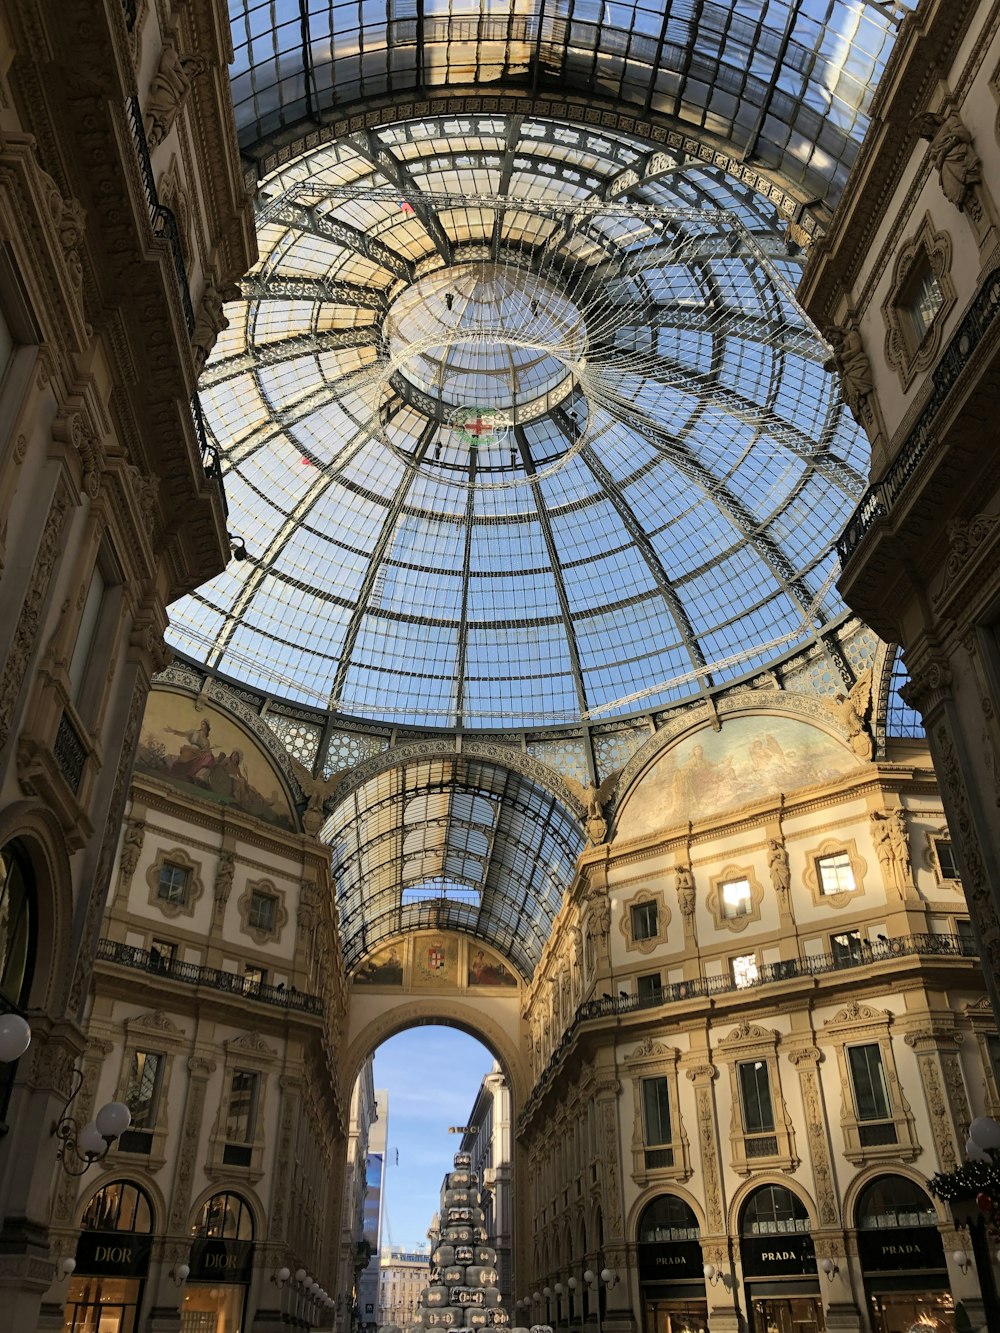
x,y
224,873
168,91
317,792
210,321
685,891
132,840
850,360
899,841
851,710
777,864
883,837
593,799
952,154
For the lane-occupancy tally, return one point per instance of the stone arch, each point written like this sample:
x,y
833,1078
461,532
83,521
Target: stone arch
x,y
249,1196
770,1178
128,1175
40,837
864,1178
655,1192
448,1011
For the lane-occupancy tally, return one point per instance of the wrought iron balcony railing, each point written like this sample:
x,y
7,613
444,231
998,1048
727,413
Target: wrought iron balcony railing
x,y
146,960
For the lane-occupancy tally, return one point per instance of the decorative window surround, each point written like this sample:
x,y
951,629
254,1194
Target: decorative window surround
x,y
154,1031
195,888
859,868
259,934
651,1059
934,860
931,249
715,903
860,1025
650,944
750,1042
249,1052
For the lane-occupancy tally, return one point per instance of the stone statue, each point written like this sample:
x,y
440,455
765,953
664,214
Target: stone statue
x,y
957,162
851,711
777,863
593,799
168,91
851,362
317,791
685,891
882,837
209,322
899,841
135,833
224,872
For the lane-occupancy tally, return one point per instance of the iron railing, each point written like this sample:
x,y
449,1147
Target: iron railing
x,y
146,960
613,1006
878,500
70,753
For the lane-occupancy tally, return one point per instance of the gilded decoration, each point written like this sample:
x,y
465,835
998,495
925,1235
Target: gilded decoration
x,y
929,250
626,921
184,903
730,874
811,876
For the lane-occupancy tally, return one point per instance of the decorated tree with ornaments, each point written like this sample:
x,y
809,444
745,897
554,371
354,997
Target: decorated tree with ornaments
x,y
461,1295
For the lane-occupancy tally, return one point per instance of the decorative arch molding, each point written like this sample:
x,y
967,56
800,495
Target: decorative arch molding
x,y
652,1192
447,1011
859,1183
41,837
784,1182
457,747
128,1175
587,109
249,1196
808,708
201,689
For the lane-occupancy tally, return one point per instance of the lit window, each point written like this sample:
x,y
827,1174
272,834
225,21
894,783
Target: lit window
x,y
846,948
173,884
744,970
734,895
262,911
920,300
253,976
871,1092
645,921
835,873
242,1112
162,953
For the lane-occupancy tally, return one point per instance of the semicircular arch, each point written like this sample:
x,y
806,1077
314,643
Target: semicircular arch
x,y
750,1187
856,1187
649,1195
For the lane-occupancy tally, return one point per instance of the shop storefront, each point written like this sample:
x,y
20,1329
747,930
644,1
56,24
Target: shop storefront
x,y
902,1258
112,1262
221,1262
779,1264
671,1268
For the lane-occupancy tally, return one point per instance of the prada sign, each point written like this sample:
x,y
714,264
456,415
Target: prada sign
x,y
670,1261
221,1260
790,1255
113,1254
890,1249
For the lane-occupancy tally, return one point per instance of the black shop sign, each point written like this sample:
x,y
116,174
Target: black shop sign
x,y
893,1248
221,1260
778,1256
670,1261
113,1254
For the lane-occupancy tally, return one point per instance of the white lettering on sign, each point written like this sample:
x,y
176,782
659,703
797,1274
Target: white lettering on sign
x,y
113,1254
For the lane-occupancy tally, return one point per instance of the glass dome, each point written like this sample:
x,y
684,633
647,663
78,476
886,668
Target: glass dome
x,y
522,426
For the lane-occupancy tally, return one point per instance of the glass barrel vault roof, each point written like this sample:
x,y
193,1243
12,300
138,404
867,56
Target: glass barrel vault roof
x,y
521,425
784,83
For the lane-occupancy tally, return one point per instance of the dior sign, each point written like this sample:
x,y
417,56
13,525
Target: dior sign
x,y
113,1254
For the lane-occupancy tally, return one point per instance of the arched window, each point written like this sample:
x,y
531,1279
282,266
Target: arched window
x,y
773,1211
17,924
667,1218
225,1217
119,1206
894,1201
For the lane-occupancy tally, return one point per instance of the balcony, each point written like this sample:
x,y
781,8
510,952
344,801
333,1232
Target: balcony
x,y
143,960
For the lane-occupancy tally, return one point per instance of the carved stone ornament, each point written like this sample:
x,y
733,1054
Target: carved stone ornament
x,y
851,710
929,686
952,154
168,91
926,256
132,840
967,539
593,800
852,364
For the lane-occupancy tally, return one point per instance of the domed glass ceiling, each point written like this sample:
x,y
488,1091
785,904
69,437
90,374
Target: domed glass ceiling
x,y
782,83
521,425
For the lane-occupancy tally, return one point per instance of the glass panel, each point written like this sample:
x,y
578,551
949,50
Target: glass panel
x,y
802,1314
214,1309
143,1088
755,1096
241,1114
101,1305
871,1094
644,921
261,911
735,898
846,947
835,874
118,1206
172,887
656,1111
772,1211
894,1201
744,970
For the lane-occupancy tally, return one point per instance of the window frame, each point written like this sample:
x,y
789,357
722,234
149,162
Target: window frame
x,y
732,874
858,1025
824,863
179,857
752,1150
650,1061
644,901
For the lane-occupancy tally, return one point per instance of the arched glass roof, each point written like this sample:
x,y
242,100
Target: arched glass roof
x,y
522,425
783,83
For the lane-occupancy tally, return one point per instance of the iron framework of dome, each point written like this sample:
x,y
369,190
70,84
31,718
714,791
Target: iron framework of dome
x,y
522,427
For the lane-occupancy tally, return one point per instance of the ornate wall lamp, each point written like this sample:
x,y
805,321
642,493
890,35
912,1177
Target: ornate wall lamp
x,y
830,1267
92,1142
180,1274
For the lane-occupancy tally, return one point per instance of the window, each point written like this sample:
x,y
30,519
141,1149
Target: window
x,y
649,988
966,936
645,923
162,954
846,948
225,1217
744,970
667,1218
254,976
945,855
919,301
118,1206
655,1111
773,1211
173,883
871,1095
86,635
835,874
242,1113
262,911
142,1091
894,1201
755,1096
735,898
